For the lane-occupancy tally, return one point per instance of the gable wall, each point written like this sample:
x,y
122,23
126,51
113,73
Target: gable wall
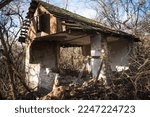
x,y
51,24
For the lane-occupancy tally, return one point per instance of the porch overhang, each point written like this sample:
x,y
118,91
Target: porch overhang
x,y
66,38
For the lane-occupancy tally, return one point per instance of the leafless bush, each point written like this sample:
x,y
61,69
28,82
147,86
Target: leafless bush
x,y
17,69
12,82
71,59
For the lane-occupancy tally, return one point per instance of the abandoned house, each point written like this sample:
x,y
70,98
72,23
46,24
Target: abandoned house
x,y
49,28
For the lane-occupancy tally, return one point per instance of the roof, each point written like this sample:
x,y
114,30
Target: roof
x,y
79,22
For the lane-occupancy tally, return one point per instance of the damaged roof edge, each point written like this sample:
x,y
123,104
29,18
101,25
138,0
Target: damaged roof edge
x,y
77,18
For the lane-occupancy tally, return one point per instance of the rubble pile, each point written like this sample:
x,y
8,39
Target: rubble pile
x,y
121,88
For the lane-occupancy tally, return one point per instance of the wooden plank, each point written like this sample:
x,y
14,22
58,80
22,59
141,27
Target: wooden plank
x,y
24,32
59,25
99,71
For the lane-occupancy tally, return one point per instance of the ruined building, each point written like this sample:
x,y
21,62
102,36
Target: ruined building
x,y
48,28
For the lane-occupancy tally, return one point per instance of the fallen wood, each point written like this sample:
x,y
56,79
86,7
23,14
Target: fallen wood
x,y
145,62
99,71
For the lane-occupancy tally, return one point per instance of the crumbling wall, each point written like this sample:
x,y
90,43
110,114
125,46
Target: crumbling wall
x,y
42,65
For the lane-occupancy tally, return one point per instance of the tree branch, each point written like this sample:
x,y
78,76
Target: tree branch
x,y
4,3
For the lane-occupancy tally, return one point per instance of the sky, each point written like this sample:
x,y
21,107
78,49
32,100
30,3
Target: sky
x,y
81,7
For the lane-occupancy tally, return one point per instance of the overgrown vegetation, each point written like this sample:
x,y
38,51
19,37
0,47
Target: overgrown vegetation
x,y
12,76
131,84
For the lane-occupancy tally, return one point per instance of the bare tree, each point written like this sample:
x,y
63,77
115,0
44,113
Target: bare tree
x,y
4,3
131,16
66,4
12,53
48,1
123,14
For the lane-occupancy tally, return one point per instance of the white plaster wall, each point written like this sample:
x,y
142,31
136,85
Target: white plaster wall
x,y
96,53
46,80
33,76
119,55
41,60
96,45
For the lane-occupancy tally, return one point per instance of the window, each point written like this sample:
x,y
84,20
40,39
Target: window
x,y
43,23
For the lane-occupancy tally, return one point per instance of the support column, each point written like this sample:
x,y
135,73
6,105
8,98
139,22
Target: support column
x,y
95,54
99,53
106,66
